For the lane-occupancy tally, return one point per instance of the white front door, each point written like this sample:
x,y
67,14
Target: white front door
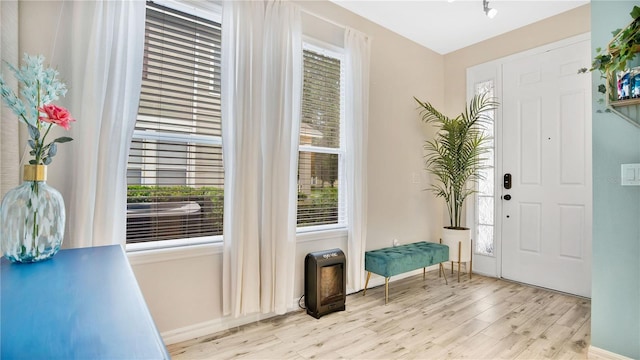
x,y
546,148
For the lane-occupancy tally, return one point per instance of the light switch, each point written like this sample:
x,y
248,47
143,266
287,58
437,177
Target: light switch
x,y
630,174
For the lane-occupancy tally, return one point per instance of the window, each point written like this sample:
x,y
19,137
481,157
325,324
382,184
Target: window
x,y
321,150
175,175
485,218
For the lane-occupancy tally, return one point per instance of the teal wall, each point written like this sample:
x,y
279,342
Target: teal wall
x,y
615,306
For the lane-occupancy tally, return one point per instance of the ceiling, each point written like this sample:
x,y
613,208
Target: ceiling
x,y
444,26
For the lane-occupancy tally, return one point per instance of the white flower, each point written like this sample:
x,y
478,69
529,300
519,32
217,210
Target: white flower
x,y
39,86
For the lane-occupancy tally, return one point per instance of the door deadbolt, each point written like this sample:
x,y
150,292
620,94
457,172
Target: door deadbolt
x,y
506,181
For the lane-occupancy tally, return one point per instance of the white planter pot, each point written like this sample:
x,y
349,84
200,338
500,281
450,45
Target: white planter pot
x,y
457,239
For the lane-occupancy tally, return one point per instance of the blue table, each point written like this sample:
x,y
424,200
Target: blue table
x,y
81,304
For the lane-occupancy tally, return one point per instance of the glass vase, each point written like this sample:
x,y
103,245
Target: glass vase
x,y
32,218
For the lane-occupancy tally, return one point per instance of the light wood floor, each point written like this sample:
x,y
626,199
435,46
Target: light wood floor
x,y
483,318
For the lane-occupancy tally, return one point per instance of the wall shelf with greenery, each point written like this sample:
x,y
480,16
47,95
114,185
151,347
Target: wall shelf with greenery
x,y
626,109
623,103
619,54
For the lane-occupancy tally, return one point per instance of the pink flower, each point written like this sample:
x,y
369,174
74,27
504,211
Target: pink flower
x,y
56,115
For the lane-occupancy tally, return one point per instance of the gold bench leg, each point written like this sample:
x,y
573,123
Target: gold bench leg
x,y
386,290
366,283
459,257
471,260
424,273
441,270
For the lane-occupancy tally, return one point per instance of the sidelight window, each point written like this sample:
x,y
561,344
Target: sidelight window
x,y
485,210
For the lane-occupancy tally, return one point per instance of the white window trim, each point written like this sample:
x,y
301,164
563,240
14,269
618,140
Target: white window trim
x,y
322,48
326,49
211,10
166,244
181,138
320,228
321,149
318,234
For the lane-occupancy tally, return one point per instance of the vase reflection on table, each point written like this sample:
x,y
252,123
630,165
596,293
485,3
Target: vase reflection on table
x,y
32,215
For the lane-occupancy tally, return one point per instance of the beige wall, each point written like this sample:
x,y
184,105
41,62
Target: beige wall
x,y
182,287
570,23
184,294
397,207
400,69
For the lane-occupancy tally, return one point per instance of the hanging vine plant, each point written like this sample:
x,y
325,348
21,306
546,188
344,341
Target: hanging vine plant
x,y
620,51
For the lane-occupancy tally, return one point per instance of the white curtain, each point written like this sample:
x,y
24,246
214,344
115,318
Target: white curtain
x,y
9,172
101,48
241,113
281,93
357,53
261,92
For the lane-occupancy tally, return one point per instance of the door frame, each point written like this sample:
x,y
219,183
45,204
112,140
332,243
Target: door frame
x,y
492,70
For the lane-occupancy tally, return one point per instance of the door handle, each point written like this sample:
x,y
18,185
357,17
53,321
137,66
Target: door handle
x,y
507,197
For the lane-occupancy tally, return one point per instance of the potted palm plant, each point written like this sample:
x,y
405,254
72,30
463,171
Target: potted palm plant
x,y
454,157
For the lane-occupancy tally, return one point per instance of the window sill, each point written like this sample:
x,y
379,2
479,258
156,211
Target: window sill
x,y
321,234
166,244
168,250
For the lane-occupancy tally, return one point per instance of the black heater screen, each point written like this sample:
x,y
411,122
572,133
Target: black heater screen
x,y
325,282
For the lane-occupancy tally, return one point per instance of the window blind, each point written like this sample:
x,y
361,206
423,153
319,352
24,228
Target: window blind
x,y
319,159
175,173
320,100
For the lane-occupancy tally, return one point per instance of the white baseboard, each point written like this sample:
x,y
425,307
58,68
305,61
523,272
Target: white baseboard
x,y
602,354
216,325
209,327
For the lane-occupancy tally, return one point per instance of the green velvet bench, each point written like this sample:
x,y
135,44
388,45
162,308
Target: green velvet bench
x,y
396,260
